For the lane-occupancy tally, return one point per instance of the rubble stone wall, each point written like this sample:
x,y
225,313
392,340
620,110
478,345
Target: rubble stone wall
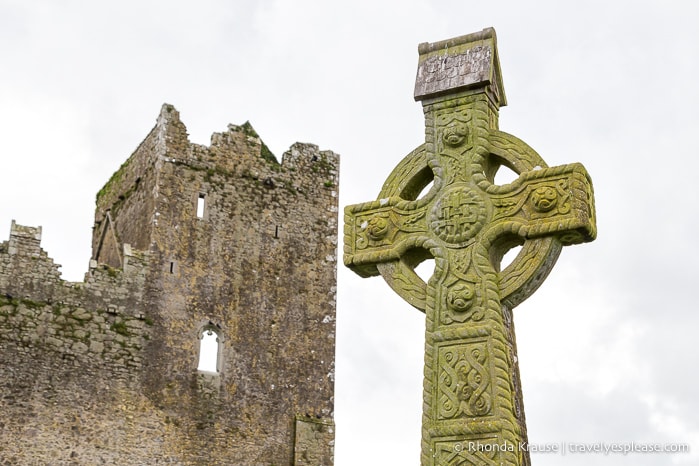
x,y
105,371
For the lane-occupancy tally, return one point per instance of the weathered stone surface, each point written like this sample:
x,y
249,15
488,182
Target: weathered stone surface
x,y
467,223
459,63
105,371
312,436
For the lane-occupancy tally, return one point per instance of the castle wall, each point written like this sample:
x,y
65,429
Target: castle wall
x,y
260,266
70,356
107,369
131,194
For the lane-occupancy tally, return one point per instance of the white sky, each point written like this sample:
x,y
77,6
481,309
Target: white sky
x,y
607,346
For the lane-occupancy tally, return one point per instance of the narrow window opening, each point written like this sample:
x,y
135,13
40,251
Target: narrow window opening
x,y
201,202
172,267
276,231
208,351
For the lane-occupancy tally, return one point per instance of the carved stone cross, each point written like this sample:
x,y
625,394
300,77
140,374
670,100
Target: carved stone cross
x,y
472,409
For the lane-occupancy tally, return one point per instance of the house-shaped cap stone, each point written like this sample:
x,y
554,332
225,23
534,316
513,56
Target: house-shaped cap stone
x,y
462,63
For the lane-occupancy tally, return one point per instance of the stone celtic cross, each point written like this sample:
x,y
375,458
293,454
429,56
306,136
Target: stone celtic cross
x,y
472,408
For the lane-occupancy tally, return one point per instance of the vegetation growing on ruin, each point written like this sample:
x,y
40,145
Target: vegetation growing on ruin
x,y
115,179
265,153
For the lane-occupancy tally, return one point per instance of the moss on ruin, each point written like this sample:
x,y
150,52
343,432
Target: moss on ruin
x,y
115,179
120,328
265,153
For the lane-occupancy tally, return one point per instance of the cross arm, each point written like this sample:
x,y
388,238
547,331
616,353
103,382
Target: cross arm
x,y
556,201
381,231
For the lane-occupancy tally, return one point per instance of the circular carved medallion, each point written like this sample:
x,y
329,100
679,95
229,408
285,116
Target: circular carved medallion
x,y
460,297
377,228
544,198
458,215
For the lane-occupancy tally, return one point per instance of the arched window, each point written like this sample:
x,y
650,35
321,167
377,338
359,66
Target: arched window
x,y
209,349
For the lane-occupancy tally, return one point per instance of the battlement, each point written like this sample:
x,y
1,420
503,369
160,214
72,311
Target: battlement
x,y
236,152
188,241
25,268
27,272
237,158
23,232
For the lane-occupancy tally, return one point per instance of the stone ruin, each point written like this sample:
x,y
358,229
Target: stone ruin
x,y
189,241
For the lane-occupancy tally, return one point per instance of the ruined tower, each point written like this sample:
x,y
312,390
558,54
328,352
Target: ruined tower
x,y
190,243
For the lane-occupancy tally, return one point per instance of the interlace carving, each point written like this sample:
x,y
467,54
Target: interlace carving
x,y
466,223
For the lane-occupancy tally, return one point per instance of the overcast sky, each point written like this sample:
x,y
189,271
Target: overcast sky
x,y
607,346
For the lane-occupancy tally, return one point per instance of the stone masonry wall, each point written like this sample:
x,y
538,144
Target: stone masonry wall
x,y
105,371
68,353
260,266
130,194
